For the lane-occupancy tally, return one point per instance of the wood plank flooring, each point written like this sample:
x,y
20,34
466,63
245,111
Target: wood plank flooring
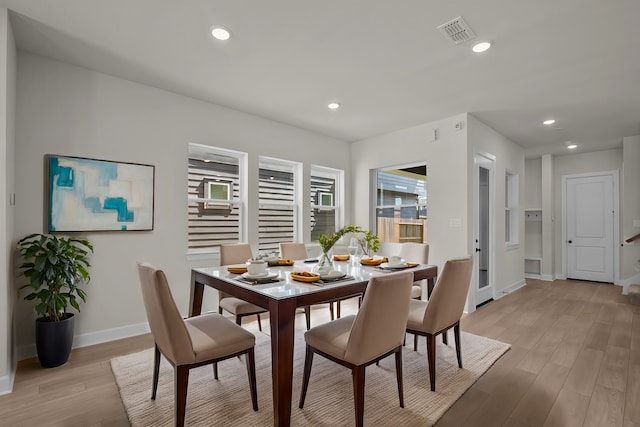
x,y
574,361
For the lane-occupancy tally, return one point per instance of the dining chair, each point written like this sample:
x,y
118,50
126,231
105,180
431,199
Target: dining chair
x,y
410,252
443,310
415,253
357,341
237,253
189,343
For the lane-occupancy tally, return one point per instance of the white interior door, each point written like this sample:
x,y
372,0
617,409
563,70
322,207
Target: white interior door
x,y
590,228
483,228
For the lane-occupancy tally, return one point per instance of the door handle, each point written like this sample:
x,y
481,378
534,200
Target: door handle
x,y
570,241
478,249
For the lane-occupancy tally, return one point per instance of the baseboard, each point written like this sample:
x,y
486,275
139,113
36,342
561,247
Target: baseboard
x,y
84,340
519,284
6,383
627,282
547,277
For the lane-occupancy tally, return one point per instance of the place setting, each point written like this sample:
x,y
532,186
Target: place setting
x,y
396,263
320,278
254,272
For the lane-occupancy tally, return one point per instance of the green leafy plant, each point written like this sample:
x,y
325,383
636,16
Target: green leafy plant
x,y
368,241
55,267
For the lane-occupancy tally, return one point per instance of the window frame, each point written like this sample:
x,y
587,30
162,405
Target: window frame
x,y
512,208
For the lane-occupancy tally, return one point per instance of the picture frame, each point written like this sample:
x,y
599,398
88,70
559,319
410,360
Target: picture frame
x,y
87,194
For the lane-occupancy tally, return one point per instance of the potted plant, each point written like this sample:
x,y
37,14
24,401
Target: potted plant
x,y
55,267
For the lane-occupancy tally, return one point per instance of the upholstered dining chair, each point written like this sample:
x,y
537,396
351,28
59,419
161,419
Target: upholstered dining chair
x,y
356,341
443,310
410,252
237,253
189,343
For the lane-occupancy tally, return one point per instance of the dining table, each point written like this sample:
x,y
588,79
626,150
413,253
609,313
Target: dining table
x,y
279,293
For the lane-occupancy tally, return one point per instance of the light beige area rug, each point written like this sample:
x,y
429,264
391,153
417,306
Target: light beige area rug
x,y
329,401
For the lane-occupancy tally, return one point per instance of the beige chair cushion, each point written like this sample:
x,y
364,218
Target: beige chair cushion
x,y
417,309
377,328
292,250
214,336
238,306
186,341
416,290
332,337
447,300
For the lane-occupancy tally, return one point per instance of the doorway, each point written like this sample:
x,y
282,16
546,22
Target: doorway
x,y
590,206
484,166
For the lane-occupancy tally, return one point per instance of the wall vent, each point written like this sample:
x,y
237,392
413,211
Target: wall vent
x,y
457,31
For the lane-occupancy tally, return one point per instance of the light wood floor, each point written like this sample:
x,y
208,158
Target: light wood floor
x,y
574,361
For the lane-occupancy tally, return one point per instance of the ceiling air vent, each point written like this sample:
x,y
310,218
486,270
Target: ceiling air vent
x,y
456,31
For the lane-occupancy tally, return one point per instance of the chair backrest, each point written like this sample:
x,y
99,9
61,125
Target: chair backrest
x,y
165,321
235,253
382,319
292,250
410,251
449,295
415,252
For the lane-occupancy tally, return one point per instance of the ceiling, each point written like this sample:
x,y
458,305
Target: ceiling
x,y
385,62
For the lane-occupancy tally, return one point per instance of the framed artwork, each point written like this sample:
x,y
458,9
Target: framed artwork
x,y
98,195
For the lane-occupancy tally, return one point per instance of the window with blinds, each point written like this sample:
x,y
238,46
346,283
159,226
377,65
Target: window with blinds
x,y
325,201
215,207
278,197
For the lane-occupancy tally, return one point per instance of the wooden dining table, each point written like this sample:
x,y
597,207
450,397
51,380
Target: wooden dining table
x,y
281,296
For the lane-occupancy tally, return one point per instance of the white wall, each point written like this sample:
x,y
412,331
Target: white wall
x,y
598,161
7,144
630,201
69,110
509,264
446,161
533,183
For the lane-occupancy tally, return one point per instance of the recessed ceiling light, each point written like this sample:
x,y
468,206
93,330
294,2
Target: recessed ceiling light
x,y
548,122
572,146
220,33
333,106
481,47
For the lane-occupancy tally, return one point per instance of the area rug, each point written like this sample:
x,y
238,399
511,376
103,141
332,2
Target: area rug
x,y
329,399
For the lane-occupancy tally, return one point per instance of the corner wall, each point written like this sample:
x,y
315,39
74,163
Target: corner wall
x,y
630,201
68,110
7,146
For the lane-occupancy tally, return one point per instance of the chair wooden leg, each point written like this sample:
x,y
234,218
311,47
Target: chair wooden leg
x,y
445,337
431,357
307,316
308,361
215,370
456,334
238,320
181,384
219,310
338,309
251,371
259,323
156,372
399,376
415,342
330,311
358,374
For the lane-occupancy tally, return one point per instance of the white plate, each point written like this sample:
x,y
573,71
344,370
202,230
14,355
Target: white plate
x,y
333,275
261,276
386,265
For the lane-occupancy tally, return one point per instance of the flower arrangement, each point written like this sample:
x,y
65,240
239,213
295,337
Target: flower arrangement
x,y
367,240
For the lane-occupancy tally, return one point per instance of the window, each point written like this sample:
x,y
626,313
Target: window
x,y
215,197
511,199
401,204
326,196
278,203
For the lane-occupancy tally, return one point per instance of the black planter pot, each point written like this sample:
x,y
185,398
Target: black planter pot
x,y
54,340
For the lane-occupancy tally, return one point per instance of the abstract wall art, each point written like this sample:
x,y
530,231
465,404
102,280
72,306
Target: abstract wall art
x,y
99,195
